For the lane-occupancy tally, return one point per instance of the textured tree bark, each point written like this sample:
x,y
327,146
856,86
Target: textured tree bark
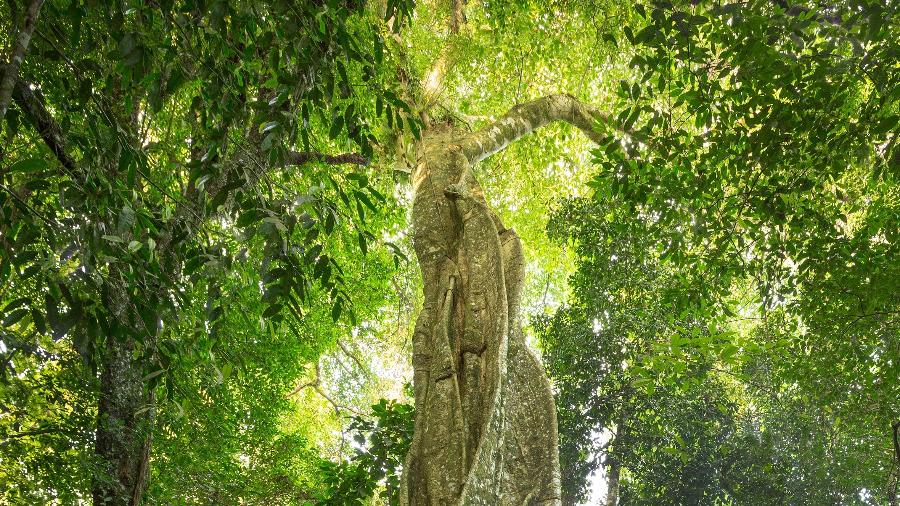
x,y
613,469
17,54
123,430
485,430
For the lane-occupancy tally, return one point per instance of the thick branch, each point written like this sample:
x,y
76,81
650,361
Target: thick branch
x,y
38,115
457,15
523,119
8,80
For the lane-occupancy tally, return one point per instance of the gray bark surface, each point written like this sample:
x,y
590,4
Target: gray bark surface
x,y
485,429
17,54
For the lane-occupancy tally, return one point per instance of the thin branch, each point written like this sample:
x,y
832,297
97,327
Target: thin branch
x,y
304,157
316,384
24,204
337,407
313,383
20,46
28,433
352,356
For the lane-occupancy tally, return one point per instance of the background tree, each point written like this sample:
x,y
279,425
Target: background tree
x,y
147,140
762,175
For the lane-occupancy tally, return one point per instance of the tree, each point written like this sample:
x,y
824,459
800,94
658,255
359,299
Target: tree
x,y
761,179
160,142
199,203
681,424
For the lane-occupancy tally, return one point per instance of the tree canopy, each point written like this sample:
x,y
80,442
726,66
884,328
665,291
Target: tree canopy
x,y
208,285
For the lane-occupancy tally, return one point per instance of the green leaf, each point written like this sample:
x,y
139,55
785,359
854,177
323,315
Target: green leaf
x,y
28,165
362,243
15,304
153,375
336,310
336,126
14,316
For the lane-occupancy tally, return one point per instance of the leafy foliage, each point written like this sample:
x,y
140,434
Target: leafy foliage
x,y
207,189
689,409
741,230
381,447
152,200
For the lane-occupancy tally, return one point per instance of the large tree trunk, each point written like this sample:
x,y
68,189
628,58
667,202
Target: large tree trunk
x,y
485,430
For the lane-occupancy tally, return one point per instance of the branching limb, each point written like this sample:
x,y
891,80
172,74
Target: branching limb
x,y
523,119
316,384
20,46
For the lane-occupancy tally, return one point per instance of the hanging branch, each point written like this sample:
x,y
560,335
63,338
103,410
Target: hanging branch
x,y
20,46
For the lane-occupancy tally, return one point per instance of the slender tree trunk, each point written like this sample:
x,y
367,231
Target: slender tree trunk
x,y
613,465
613,470
893,490
485,430
17,54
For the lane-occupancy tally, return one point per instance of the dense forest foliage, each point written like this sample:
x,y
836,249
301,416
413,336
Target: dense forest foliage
x,y
208,287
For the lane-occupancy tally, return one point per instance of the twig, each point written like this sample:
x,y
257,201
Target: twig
x,y
347,352
316,384
303,157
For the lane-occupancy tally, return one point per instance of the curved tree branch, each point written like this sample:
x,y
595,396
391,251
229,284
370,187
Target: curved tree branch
x,y
523,119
